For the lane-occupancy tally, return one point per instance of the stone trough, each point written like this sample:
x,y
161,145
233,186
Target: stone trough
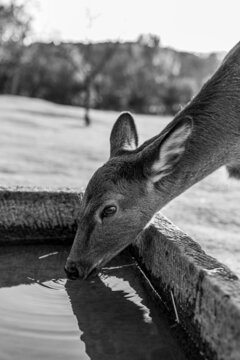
x,y
202,294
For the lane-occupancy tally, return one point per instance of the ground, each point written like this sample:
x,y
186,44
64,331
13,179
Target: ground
x,y
46,144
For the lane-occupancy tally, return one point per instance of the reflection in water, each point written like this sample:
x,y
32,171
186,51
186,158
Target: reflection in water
x,y
114,318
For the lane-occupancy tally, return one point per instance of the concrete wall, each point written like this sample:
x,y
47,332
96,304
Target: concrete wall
x,y
37,215
205,292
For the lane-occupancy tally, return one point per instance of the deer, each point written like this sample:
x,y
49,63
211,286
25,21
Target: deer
x,y
137,181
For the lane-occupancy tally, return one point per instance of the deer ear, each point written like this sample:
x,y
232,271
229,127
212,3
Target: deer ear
x,y
165,152
124,135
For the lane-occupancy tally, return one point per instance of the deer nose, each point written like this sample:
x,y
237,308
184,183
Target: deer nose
x,y
71,275
72,271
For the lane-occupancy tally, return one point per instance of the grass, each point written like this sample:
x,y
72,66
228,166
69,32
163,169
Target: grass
x,y
45,144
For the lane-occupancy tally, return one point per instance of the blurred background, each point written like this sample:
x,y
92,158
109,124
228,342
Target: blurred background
x,y
67,68
79,53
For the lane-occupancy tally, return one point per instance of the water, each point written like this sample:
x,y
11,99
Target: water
x,y
45,316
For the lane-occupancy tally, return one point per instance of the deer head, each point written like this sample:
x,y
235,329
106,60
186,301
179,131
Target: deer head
x,y
123,195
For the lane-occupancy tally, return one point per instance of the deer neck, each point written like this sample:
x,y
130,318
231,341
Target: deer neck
x,y
215,140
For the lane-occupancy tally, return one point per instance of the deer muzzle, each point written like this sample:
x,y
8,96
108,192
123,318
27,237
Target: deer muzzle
x,y
73,270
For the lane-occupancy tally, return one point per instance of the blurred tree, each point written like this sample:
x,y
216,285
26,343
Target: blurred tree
x,y
15,26
52,72
14,23
97,56
141,76
176,93
149,40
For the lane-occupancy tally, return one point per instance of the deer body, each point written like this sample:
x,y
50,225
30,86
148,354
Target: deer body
x,y
124,193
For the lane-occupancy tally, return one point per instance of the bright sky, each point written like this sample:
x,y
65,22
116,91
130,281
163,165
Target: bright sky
x,y
203,25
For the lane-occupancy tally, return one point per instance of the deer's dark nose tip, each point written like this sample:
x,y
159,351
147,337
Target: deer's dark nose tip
x,y
72,272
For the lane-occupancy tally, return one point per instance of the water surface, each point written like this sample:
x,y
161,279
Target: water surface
x,y
45,316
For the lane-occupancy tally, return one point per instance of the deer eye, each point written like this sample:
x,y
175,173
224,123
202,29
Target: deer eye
x,y
108,211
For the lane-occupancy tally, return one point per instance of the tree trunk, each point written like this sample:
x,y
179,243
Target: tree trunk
x,y
87,105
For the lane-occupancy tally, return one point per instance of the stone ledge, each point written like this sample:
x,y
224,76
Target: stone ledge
x,y
34,214
206,293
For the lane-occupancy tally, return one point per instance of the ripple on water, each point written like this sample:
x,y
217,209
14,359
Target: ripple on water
x,y
45,316
37,322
